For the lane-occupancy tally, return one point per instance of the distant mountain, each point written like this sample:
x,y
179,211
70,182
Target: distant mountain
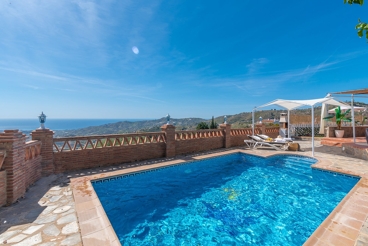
x,y
242,120
131,127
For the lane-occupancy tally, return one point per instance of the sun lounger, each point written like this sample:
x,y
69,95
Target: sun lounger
x,y
257,142
251,144
265,137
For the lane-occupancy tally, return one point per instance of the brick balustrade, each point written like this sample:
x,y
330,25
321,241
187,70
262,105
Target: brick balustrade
x,y
2,157
32,158
244,132
272,132
3,197
46,137
25,162
239,135
32,150
103,141
184,135
75,153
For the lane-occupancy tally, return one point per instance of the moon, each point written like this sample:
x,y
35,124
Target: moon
x,y
135,50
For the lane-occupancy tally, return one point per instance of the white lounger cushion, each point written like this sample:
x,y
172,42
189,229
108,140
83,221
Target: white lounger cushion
x,y
263,136
280,140
257,138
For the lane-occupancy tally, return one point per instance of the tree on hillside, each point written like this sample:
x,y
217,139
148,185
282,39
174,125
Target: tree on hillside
x,y
202,125
213,124
362,26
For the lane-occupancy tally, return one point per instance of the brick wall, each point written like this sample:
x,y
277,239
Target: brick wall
x,y
13,142
198,145
33,170
32,162
88,158
47,140
2,188
238,140
174,143
272,132
239,135
2,157
348,131
22,165
169,131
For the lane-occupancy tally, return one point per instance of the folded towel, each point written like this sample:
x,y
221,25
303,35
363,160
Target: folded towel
x,y
280,140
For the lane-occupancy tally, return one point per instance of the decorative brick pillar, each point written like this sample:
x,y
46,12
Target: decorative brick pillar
x,y
262,127
3,196
170,139
13,142
2,157
226,128
46,136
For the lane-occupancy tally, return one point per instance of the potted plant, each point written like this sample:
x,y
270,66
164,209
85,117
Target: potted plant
x,y
339,118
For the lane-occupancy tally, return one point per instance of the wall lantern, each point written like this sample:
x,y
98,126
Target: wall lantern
x,y
42,119
168,119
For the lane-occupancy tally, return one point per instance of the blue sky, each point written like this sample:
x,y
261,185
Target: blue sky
x,y
144,59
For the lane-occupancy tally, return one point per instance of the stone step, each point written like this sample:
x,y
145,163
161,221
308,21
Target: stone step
x,y
331,143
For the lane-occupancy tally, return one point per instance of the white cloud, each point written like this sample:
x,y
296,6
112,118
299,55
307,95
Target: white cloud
x,y
33,73
31,86
256,65
258,84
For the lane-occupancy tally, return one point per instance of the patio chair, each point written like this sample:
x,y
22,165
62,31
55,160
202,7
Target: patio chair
x,y
257,142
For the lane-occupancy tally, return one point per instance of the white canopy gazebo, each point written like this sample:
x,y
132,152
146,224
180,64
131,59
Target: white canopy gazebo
x,y
353,93
293,104
344,108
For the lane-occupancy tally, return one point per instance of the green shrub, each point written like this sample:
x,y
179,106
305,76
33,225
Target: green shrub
x,y
202,125
213,124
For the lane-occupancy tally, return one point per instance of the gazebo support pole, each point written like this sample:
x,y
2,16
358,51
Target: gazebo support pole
x,y
352,115
289,123
312,130
253,121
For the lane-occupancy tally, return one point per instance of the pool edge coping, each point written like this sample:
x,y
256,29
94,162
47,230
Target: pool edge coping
x,y
96,228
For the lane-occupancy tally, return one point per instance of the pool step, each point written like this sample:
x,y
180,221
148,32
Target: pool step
x,y
297,165
297,168
301,160
298,173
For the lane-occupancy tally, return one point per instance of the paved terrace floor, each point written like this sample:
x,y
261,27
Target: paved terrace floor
x,y
339,141
47,214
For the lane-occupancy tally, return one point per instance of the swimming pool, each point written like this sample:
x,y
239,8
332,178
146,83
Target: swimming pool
x,y
237,199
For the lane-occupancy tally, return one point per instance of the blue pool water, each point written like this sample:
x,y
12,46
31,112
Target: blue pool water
x,y
236,199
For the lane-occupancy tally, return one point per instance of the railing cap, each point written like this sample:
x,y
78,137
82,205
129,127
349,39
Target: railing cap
x,y
107,136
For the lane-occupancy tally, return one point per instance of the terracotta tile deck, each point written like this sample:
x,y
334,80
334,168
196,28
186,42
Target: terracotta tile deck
x,y
339,141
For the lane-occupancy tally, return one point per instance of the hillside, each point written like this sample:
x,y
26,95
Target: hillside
x,y
242,120
130,127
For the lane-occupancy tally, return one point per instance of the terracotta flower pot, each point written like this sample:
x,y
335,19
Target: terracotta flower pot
x,y
339,133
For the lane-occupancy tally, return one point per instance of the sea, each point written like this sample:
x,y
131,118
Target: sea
x,y
57,124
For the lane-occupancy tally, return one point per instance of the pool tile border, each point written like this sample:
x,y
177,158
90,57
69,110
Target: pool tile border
x,y
341,227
